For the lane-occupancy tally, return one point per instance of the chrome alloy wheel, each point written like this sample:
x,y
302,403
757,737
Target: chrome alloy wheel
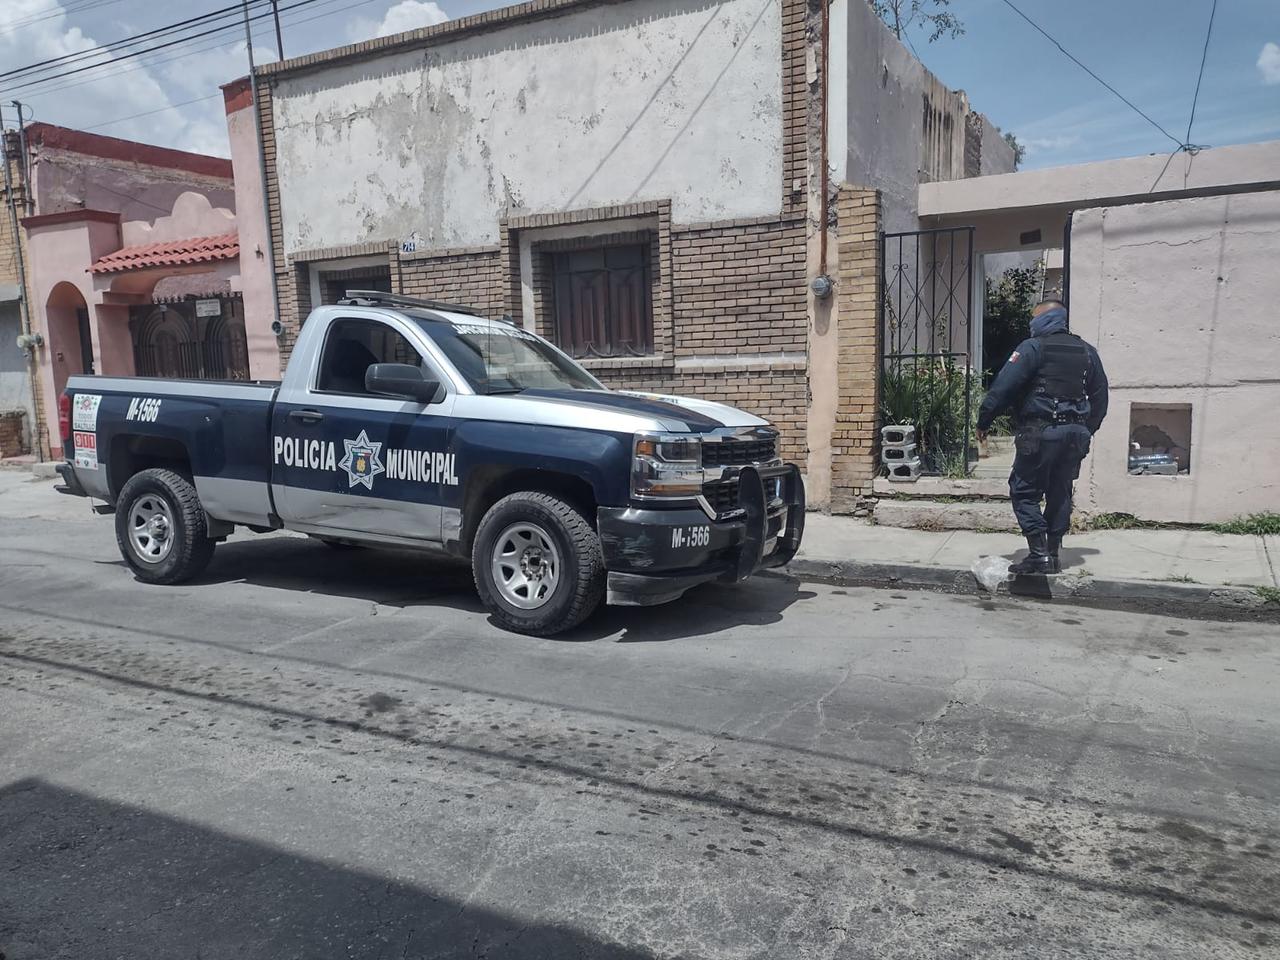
x,y
525,565
151,528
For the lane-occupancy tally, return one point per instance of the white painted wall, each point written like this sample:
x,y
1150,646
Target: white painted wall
x,y
1180,298
612,104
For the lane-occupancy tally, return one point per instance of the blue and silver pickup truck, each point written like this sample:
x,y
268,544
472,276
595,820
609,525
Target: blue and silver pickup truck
x,y
414,424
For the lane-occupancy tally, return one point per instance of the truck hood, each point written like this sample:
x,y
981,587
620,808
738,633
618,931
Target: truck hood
x,y
662,412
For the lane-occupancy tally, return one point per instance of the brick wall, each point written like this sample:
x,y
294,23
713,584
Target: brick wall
x,y
739,287
13,434
854,441
471,277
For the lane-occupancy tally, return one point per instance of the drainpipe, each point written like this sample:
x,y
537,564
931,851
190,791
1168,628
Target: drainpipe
x,y
262,173
825,81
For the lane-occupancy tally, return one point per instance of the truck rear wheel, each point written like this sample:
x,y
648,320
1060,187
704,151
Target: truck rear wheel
x,y
160,527
537,564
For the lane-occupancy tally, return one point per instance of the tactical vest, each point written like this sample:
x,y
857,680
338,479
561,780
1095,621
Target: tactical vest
x,y
1064,367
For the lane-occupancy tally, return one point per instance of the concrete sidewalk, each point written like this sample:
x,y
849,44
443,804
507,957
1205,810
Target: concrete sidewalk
x,y
1191,566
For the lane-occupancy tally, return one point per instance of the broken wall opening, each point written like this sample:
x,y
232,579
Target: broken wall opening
x,y
1159,438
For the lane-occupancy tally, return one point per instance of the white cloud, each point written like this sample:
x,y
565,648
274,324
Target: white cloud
x,y
1269,63
1042,146
405,15
35,30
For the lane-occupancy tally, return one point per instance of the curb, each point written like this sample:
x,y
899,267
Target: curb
x,y
1065,587
42,471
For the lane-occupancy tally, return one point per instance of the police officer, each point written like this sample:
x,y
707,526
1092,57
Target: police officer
x,y
1055,386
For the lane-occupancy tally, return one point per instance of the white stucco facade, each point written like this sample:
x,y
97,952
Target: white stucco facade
x,y
1180,298
610,104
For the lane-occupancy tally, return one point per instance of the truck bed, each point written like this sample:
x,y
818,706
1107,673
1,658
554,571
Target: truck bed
x,y
222,428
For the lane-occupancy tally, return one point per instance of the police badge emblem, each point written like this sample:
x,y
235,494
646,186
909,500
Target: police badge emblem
x,y
361,461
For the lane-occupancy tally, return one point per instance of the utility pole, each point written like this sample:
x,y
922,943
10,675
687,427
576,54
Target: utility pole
x,y
275,12
24,305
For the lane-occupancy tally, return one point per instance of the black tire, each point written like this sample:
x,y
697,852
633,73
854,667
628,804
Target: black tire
x,y
189,549
580,584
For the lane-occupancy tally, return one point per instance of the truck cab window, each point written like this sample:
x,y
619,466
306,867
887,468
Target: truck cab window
x,y
352,347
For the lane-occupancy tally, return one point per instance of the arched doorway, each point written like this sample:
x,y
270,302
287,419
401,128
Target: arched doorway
x,y
70,336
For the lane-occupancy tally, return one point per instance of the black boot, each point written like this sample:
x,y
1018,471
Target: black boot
x,y
1038,560
1055,544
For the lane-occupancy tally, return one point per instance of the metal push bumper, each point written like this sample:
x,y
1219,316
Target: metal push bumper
x,y
654,556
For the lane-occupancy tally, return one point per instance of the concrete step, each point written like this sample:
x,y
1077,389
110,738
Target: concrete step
x,y
928,487
917,514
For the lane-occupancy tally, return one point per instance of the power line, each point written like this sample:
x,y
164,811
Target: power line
x,y
1130,103
156,60
61,11
148,113
152,49
1190,148
1204,55
294,22
69,58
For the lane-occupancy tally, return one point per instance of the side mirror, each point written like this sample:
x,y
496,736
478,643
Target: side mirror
x,y
401,380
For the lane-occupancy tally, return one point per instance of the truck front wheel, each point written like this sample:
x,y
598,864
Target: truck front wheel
x,y
537,564
160,527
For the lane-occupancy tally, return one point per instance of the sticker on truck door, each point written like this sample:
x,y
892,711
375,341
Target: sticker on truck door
x,y
84,412
364,460
86,447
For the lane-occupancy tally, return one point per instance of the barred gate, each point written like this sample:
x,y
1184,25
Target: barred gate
x,y
926,321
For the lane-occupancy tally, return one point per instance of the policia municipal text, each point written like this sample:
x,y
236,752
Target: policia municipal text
x,y
1057,390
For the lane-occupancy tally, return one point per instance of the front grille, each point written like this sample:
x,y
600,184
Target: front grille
x,y
722,495
739,453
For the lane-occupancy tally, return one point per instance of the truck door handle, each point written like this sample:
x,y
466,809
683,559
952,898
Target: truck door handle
x,y
306,416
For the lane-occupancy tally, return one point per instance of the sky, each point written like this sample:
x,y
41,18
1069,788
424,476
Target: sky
x,y
1147,49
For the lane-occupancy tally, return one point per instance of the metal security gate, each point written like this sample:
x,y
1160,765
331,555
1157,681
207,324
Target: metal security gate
x,y
926,318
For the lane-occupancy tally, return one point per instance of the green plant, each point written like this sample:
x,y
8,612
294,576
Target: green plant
x,y
931,15
954,464
1257,524
1116,521
1019,151
940,398
1006,318
1269,594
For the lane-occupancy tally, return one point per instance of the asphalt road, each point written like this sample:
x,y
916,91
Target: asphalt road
x,y
319,754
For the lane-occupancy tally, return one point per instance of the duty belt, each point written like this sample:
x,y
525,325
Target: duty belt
x,y
1057,418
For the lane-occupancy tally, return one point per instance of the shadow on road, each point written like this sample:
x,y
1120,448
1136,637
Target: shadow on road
x,y
103,879
403,578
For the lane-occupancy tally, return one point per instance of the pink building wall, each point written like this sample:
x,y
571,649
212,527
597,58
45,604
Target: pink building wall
x,y
255,266
93,195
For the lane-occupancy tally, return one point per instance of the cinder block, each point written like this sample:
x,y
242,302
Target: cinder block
x,y
898,434
897,454
904,471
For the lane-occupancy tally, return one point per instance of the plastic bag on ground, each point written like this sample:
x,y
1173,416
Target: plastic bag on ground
x,y
990,572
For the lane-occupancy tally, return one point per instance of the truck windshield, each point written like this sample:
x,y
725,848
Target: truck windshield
x,y
500,358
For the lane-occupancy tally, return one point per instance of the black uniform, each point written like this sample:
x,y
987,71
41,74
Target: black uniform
x,y
1056,387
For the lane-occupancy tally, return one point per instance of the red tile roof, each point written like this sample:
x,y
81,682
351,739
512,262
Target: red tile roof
x,y
170,253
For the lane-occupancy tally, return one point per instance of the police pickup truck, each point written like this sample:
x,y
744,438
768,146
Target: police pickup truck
x,y
414,424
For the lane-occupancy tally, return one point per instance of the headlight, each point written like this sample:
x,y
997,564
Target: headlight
x,y
666,466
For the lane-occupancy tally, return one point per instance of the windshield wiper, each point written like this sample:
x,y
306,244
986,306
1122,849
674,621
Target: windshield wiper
x,y
493,391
